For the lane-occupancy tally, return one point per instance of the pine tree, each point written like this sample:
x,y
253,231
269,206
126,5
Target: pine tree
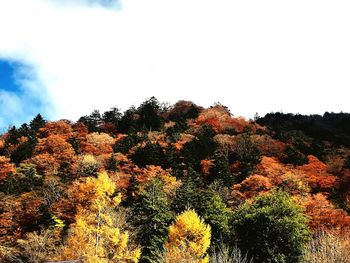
x,y
153,216
37,123
218,215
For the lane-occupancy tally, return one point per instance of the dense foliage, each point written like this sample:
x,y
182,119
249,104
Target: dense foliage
x,y
180,183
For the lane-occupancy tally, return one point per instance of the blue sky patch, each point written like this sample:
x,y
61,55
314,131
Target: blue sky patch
x,y
7,76
19,102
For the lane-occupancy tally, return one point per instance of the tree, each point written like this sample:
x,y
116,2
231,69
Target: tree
x,y
149,114
57,147
316,175
39,247
112,116
188,239
92,121
88,165
6,168
127,123
271,229
152,216
323,214
188,195
220,119
95,236
25,180
202,146
251,187
247,153
61,128
183,110
51,153
149,154
218,216
221,169
36,123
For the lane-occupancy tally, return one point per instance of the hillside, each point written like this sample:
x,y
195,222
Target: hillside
x,y
178,183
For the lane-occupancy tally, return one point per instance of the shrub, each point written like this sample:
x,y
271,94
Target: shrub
x,y
272,228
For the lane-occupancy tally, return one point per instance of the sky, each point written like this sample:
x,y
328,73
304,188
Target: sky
x,y
65,58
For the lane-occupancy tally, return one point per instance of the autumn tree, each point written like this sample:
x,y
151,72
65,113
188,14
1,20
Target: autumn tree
x,y
40,246
250,187
6,168
61,128
183,110
188,239
9,226
95,236
316,174
88,165
323,214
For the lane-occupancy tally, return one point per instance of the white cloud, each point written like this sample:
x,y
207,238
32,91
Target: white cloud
x,y
253,56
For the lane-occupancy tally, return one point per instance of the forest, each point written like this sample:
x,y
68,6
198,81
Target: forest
x,y
176,183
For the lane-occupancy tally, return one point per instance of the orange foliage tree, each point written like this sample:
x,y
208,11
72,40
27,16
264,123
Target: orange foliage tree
x,y
324,215
6,168
317,176
251,187
220,119
61,128
51,152
98,143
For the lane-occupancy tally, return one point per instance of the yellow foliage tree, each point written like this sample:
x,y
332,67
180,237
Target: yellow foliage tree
x,y
188,240
95,236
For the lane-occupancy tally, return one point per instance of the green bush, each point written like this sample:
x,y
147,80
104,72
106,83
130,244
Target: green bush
x,y
272,228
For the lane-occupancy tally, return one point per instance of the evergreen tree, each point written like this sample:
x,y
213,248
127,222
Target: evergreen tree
x,y
152,215
112,116
188,195
200,147
149,114
150,154
92,121
221,169
271,229
127,123
218,216
37,123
